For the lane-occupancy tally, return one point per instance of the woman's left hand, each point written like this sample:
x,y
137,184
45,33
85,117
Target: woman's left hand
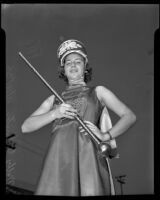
x,y
93,128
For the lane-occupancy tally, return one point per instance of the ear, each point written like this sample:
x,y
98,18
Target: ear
x,y
64,70
85,66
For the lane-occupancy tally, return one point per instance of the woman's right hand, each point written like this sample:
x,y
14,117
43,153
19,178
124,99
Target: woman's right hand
x,y
64,110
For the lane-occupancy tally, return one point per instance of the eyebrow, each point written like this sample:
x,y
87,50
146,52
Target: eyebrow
x,y
75,59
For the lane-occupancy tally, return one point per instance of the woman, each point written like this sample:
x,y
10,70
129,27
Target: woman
x,y
72,166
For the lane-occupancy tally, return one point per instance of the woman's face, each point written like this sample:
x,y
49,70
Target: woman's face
x,y
74,66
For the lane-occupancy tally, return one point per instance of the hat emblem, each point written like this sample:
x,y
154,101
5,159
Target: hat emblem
x,y
68,45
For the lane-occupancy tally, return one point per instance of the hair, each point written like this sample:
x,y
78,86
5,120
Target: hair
x,y
87,74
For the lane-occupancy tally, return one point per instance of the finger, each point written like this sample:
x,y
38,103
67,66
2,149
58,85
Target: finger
x,y
80,127
89,123
70,107
84,132
81,130
92,128
70,113
66,105
71,110
68,116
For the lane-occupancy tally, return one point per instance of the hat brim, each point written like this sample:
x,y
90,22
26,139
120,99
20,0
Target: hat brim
x,y
73,51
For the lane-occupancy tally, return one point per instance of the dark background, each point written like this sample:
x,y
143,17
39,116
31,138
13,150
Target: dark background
x,y
120,43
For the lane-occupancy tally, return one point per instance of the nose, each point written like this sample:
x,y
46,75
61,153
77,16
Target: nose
x,y
73,64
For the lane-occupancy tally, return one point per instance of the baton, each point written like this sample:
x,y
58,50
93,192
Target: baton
x,y
103,147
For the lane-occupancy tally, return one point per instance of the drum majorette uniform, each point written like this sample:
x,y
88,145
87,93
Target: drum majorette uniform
x,y
72,166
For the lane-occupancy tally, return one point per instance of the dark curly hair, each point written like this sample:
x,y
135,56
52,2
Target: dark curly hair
x,y
87,74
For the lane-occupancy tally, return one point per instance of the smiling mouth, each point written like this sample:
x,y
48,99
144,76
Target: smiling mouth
x,y
73,70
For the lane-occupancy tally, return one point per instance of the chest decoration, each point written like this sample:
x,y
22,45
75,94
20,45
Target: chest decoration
x,y
78,100
79,104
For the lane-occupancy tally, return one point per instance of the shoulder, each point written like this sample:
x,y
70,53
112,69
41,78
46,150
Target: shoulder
x,y
104,93
100,90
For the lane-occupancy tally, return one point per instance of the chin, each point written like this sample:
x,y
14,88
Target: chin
x,y
75,77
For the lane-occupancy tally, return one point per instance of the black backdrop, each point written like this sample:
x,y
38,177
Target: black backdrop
x,y
120,44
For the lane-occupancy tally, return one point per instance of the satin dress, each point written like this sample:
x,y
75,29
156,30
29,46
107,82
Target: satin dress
x,y
72,166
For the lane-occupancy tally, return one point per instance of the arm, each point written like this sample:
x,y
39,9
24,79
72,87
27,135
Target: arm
x,y
127,117
42,116
45,114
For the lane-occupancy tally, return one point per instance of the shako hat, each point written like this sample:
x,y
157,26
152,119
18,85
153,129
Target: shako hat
x,y
71,46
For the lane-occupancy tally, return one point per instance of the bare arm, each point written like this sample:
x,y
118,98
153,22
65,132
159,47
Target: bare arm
x,y
45,114
127,117
42,116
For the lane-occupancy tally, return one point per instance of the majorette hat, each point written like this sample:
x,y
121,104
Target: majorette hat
x,y
71,46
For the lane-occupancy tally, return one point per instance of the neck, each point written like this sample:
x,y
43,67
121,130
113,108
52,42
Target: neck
x,y
76,82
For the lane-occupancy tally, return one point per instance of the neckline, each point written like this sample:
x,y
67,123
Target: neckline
x,y
75,86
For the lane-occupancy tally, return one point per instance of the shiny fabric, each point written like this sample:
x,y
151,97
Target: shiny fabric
x,y
72,166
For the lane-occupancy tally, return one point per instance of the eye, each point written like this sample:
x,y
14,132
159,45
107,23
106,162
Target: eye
x,y
78,62
68,63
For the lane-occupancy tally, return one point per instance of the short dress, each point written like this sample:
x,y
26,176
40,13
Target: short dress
x,y
72,166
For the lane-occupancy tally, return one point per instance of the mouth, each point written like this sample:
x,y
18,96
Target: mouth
x,y
73,70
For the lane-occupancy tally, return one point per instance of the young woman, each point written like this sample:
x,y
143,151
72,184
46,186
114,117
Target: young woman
x,y
72,166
